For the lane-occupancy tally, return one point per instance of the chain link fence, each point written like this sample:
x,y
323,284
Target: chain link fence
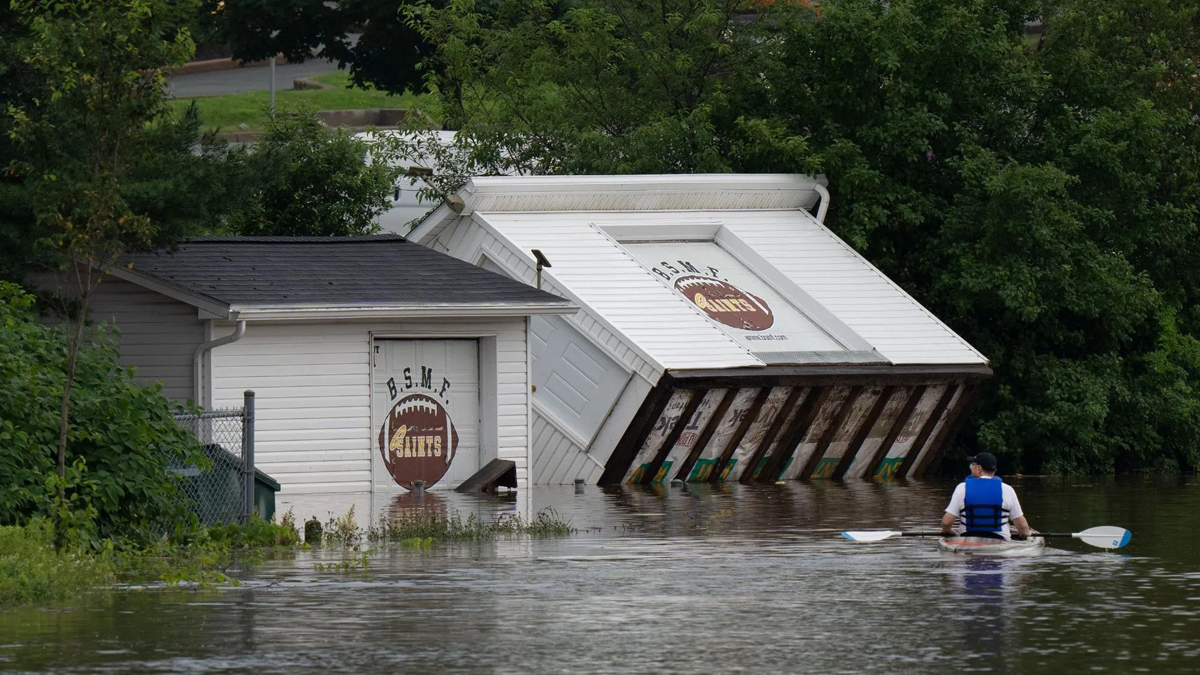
x,y
222,492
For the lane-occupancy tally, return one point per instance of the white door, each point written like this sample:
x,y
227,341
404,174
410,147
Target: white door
x,y
425,408
574,380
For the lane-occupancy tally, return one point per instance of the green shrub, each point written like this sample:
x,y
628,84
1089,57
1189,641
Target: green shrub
x,y
255,533
32,570
122,434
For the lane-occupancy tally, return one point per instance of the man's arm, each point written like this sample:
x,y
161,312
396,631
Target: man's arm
x,y
1023,528
955,507
948,523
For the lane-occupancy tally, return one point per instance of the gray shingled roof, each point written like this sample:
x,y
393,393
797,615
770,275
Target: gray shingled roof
x,y
328,271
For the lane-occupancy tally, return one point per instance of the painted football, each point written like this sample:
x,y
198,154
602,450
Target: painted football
x,y
418,440
725,303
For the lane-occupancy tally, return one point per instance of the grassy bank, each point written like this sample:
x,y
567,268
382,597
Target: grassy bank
x,y
226,113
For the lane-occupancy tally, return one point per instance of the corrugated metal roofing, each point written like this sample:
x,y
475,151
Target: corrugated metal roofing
x,y
610,282
607,279
857,293
564,216
327,271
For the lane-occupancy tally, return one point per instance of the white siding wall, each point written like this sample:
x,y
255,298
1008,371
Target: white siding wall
x,y
312,382
158,334
558,460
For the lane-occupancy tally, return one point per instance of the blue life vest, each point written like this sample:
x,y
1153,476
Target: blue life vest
x,y
984,505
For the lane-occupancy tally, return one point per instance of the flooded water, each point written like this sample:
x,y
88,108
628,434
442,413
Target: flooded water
x,y
722,578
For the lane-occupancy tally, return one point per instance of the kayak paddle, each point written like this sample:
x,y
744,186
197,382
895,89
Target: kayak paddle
x,y
1101,537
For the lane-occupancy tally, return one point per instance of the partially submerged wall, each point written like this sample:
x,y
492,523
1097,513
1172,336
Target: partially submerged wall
x,y
807,426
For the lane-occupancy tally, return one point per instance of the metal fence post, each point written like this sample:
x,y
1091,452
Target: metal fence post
x,y
248,456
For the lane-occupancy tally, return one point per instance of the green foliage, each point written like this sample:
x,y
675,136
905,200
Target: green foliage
x,y
430,527
101,67
1040,196
311,180
34,571
255,533
122,436
206,556
168,174
358,563
386,53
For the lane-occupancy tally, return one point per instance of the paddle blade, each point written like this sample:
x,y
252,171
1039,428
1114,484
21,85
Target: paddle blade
x,y
1104,537
871,535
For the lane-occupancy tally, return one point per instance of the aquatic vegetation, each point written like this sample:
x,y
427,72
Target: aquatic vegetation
x,y
547,523
206,556
33,570
342,530
359,563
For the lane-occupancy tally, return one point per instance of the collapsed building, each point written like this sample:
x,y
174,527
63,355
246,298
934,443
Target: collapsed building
x,y
722,331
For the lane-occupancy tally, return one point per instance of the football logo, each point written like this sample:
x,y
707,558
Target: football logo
x,y
725,303
417,440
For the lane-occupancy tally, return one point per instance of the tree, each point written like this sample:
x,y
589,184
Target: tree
x,y
602,87
370,36
1040,198
123,443
182,180
102,65
307,179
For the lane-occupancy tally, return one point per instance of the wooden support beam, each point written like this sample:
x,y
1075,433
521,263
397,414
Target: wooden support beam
x,y
927,429
772,432
864,430
914,397
635,435
685,418
709,429
736,439
827,437
954,423
795,432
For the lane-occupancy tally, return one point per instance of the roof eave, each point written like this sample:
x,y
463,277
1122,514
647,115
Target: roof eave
x,y
209,305
427,311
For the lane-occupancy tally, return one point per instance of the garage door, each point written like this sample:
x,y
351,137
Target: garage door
x,y
425,407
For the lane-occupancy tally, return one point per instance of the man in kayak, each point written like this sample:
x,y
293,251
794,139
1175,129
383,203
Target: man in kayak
x,y
983,505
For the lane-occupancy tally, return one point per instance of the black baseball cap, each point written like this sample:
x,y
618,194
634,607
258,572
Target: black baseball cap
x,y
985,460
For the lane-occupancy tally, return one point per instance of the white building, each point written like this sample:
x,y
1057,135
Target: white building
x,y
722,332
375,362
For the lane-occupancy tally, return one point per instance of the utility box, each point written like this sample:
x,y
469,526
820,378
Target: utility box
x,y
265,488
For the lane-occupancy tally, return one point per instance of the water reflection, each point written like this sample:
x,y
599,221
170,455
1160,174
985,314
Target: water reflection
x,y
684,578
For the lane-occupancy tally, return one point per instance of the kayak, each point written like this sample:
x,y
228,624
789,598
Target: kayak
x,y
989,546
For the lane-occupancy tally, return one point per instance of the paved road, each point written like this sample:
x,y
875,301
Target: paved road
x,y
238,80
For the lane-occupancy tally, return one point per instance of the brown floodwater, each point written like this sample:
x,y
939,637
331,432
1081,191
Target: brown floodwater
x,y
710,578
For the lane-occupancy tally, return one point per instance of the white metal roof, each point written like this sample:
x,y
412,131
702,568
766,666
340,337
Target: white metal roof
x,y
571,219
854,290
606,279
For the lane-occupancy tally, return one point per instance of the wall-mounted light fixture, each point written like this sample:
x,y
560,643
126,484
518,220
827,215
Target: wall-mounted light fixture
x,y
541,262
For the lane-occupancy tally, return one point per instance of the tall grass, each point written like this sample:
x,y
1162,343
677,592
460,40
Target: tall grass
x,y
547,523
32,570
